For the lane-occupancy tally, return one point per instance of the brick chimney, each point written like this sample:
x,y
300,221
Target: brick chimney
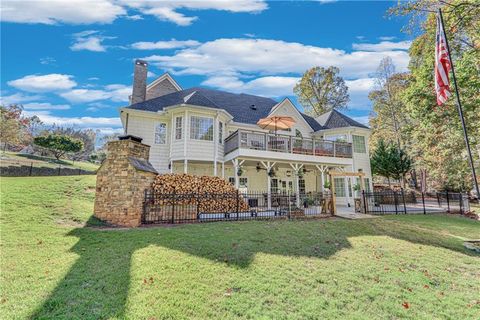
x,y
121,182
139,90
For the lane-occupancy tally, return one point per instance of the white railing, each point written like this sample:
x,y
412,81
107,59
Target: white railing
x,y
243,139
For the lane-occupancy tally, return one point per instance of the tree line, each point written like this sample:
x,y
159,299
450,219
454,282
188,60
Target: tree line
x,y
20,132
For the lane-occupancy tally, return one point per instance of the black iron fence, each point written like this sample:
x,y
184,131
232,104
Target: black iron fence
x,y
204,207
403,202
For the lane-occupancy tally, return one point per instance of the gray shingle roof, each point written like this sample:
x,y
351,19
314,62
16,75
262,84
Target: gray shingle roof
x,y
334,119
238,105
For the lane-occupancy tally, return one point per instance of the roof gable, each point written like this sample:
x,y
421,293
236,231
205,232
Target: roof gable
x,y
334,119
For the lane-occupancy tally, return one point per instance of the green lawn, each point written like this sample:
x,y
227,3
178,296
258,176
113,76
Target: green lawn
x,y
55,267
17,159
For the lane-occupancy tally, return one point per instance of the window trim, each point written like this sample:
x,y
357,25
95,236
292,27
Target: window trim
x,y
364,146
157,123
181,127
220,132
204,117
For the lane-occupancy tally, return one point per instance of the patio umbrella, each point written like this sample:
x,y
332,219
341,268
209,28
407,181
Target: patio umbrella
x,y
275,123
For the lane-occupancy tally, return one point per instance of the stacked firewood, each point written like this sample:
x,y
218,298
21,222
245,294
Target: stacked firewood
x,y
210,194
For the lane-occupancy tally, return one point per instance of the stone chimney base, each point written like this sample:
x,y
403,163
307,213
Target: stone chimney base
x,y
121,182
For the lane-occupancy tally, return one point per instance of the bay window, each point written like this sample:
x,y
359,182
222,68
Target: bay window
x,y
201,128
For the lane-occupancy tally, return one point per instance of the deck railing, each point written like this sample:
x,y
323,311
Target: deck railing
x,y
243,139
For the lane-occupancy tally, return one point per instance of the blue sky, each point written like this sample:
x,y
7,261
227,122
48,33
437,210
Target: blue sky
x,y
71,61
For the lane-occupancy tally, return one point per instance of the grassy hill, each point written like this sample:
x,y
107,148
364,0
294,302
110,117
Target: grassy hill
x,y
58,264
17,159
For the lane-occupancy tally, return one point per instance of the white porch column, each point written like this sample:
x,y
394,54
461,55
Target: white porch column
x,y
236,165
347,191
223,169
215,149
186,131
268,165
322,170
296,167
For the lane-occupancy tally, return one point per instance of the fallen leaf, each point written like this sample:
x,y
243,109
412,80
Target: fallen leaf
x,y
426,286
410,289
406,305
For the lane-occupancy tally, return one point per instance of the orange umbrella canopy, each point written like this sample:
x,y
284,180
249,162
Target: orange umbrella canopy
x,y
275,123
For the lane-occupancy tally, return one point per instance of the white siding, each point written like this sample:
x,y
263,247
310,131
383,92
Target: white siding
x,y
144,127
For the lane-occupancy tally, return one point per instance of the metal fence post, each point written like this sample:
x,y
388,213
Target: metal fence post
x,y
238,203
364,202
460,202
404,204
395,200
173,206
423,202
289,204
31,169
448,203
58,170
197,196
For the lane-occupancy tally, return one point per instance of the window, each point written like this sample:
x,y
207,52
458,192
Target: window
x,y
339,187
220,132
359,144
242,181
201,128
338,138
178,128
301,186
367,184
274,186
160,133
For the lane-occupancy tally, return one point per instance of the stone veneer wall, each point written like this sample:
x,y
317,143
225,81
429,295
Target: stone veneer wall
x,y
120,185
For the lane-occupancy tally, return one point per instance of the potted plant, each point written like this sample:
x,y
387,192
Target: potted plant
x,y
271,173
327,185
356,189
300,173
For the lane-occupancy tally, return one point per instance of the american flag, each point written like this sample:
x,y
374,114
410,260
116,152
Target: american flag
x,y
442,65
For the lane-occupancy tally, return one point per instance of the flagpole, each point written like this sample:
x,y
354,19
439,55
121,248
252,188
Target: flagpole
x,y
460,110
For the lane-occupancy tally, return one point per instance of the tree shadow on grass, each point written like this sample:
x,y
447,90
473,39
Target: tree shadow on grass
x,y
97,285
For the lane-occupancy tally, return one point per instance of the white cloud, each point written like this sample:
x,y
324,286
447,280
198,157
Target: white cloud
x,y
383,46
60,11
17,98
171,44
82,122
167,10
106,11
271,57
151,74
362,119
360,85
114,92
45,106
47,61
89,40
270,86
85,95
386,38
119,92
44,83
358,90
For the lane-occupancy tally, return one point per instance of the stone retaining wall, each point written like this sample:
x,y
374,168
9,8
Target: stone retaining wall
x,y
25,171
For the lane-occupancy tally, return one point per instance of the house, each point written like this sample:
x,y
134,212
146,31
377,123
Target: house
x,y
211,132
